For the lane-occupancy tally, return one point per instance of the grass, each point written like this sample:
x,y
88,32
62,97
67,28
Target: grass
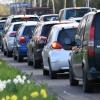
x,y
26,91
7,72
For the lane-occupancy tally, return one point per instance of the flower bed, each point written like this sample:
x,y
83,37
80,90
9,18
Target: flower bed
x,y
17,86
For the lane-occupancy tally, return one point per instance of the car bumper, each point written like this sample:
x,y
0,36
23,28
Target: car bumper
x,y
59,60
22,51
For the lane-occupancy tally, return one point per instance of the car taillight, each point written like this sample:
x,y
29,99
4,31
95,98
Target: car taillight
x,y
12,34
91,42
56,45
22,39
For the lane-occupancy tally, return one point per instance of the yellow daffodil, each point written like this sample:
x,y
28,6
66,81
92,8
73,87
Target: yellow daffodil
x,y
43,93
14,97
7,97
34,94
24,98
3,98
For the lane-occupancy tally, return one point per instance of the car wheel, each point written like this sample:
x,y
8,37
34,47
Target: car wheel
x,y
19,58
52,74
14,56
5,53
36,63
30,63
45,72
2,48
87,85
73,82
9,54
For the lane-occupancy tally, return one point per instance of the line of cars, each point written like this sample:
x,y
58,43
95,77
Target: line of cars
x,y
58,46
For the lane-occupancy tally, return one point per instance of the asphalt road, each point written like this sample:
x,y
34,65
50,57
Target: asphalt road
x,y
59,87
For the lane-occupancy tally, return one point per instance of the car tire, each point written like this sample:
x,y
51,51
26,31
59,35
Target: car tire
x,y
30,63
73,81
9,54
36,63
87,84
45,72
5,53
52,73
14,56
19,58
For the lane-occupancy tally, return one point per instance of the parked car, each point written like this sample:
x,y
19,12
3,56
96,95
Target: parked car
x,y
37,42
2,23
84,62
8,39
23,36
75,13
58,48
18,18
49,17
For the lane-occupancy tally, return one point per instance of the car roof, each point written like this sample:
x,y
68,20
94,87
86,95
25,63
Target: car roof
x,y
17,23
27,23
77,8
68,25
2,20
48,22
16,16
49,15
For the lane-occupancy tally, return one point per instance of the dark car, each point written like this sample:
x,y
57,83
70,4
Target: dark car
x,y
37,42
23,36
85,57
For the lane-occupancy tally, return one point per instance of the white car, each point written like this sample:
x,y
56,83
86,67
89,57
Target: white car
x,y
8,39
18,18
58,48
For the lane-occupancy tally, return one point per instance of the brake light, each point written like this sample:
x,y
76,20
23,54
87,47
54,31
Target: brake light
x,y
56,45
91,42
22,39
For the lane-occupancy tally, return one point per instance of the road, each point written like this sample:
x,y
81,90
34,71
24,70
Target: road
x,y
59,87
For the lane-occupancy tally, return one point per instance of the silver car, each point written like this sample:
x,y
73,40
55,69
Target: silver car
x,y
58,48
8,40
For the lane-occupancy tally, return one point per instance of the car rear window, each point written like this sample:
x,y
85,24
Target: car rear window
x,y
76,12
96,23
67,37
48,18
29,30
46,30
25,19
16,26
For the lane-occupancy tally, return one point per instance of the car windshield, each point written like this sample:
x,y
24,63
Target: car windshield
x,y
29,30
25,19
16,26
67,37
76,12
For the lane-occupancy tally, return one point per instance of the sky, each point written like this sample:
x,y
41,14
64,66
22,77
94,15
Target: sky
x,y
5,1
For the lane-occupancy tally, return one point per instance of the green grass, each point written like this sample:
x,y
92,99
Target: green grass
x,y
20,90
7,72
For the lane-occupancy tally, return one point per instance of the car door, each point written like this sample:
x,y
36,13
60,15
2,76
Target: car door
x,y
46,50
77,50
